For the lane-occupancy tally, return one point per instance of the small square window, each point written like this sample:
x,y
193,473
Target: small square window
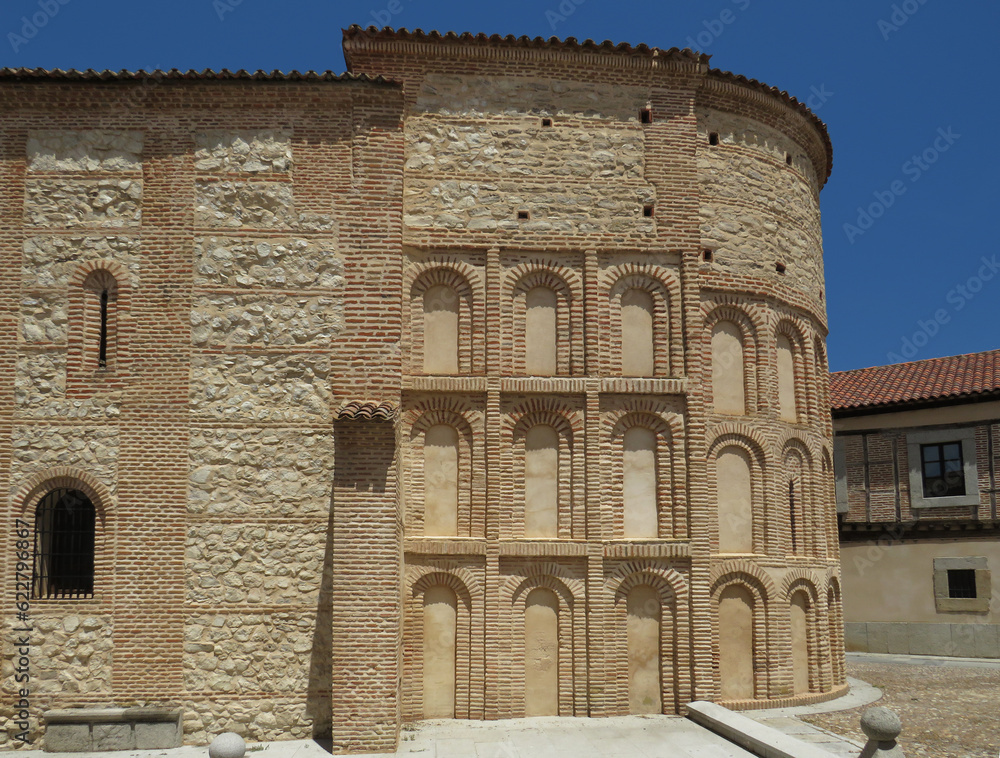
x,y
943,472
962,583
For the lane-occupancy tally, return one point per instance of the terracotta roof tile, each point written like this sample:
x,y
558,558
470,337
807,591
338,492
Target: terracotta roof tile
x,y
496,40
934,379
21,74
366,410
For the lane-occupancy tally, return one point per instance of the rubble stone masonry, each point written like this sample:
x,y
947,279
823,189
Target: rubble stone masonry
x,y
494,389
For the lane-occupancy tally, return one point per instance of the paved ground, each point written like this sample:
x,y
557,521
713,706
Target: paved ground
x,y
619,737
950,708
788,720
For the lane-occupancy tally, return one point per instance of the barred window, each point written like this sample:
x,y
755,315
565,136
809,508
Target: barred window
x,y
64,545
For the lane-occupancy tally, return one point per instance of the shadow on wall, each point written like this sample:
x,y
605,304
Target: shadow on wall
x,y
319,693
361,459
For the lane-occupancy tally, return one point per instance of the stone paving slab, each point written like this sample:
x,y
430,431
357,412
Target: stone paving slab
x,y
556,737
562,737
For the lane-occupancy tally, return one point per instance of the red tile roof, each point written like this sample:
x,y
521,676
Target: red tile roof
x,y
935,379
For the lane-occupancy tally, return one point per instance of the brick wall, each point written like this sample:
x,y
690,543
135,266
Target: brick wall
x,y
262,558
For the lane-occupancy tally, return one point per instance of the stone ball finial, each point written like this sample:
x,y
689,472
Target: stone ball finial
x,y
227,745
881,724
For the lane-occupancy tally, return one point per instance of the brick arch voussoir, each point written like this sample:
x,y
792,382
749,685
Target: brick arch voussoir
x,y
457,579
819,350
37,485
548,574
736,315
434,416
832,582
562,279
458,275
669,583
621,422
86,271
794,330
791,442
799,579
545,410
650,279
745,574
825,457
751,324
738,434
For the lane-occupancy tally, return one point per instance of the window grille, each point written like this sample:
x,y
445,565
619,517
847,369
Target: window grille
x,y
64,546
962,583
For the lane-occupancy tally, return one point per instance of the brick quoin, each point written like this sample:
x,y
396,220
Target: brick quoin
x,y
270,456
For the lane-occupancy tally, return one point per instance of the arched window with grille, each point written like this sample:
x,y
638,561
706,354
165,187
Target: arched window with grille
x,y
63,564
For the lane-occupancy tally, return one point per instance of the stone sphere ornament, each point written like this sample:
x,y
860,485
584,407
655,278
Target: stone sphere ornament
x,y
882,727
227,745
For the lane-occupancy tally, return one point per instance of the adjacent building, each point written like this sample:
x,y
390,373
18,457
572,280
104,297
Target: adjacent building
x,y
917,448
486,380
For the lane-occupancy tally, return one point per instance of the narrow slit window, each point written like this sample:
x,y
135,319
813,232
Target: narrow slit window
x,y
713,138
646,115
791,515
102,350
99,327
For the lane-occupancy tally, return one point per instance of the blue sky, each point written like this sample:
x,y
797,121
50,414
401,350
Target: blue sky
x,y
906,87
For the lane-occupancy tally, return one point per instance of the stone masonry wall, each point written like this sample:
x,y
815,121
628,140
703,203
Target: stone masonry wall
x,y
228,231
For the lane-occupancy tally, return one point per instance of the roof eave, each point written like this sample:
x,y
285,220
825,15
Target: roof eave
x,y
909,405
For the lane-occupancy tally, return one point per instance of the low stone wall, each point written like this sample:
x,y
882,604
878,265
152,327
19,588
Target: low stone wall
x,y
84,730
959,640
